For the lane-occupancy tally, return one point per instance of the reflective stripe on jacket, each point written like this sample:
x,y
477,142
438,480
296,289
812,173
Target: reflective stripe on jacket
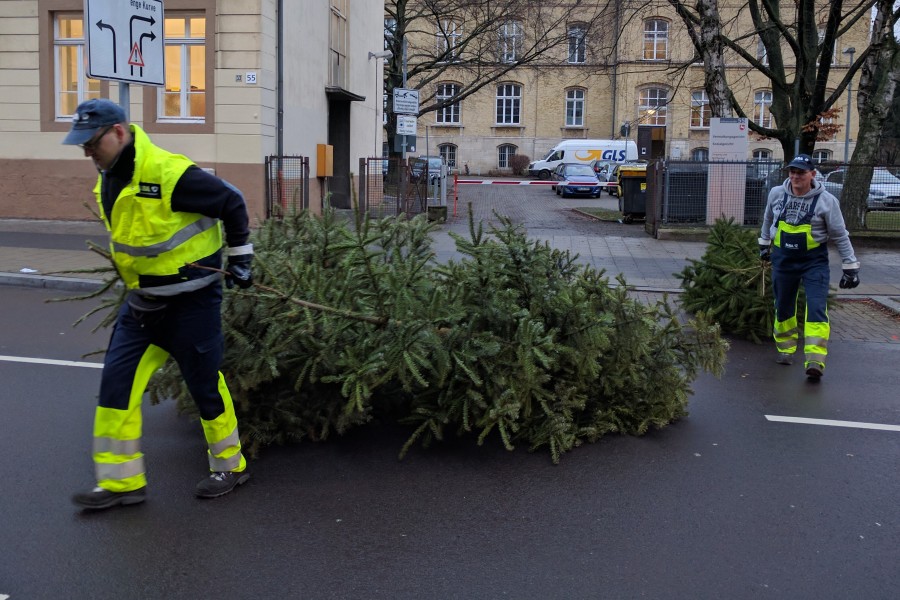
x,y
151,243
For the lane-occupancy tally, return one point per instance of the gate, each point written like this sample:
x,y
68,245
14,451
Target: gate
x,y
287,185
388,187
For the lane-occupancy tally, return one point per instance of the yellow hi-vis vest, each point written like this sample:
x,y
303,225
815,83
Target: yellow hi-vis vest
x,y
151,243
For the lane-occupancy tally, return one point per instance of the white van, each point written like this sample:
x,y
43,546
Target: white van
x,y
583,151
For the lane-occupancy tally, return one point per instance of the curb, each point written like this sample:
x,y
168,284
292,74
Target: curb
x,y
68,284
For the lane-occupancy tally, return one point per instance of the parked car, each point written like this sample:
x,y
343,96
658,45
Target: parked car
x,y
603,168
884,191
422,164
576,179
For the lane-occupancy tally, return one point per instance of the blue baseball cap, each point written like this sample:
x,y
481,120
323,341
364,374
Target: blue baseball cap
x,y
90,117
802,161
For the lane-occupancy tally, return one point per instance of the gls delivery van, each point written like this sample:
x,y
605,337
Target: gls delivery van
x,y
583,151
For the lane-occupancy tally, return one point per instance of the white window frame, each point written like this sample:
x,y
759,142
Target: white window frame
x,y
447,39
508,107
448,153
761,53
700,154
820,156
653,107
577,45
82,83
700,108
762,155
447,115
504,153
185,83
575,108
656,34
762,111
510,41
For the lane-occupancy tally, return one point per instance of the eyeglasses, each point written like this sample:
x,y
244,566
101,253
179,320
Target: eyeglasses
x,y
92,143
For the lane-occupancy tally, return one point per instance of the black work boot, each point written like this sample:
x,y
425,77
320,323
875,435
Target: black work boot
x,y
98,498
220,483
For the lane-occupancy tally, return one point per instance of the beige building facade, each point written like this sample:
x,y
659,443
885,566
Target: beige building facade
x,y
232,96
591,87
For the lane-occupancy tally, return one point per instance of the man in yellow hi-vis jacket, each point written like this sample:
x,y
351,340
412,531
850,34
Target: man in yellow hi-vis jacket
x,y
801,217
163,213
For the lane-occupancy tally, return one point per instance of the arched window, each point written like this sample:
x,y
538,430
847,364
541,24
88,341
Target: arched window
x,y
509,104
700,154
448,153
761,154
656,39
762,106
574,108
448,114
820,156
700,112
653,106
505,152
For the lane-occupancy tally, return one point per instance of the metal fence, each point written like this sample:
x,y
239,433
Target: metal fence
x,y
287,185
389,187
694,193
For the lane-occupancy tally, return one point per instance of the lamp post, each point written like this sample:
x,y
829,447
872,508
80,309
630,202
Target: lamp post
x,y
849,51
378,55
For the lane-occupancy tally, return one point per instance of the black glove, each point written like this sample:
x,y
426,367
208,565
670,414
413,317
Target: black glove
x,y
850,279
239,271
764,252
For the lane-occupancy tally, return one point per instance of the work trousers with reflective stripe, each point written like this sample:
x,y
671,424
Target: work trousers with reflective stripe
x,y
788,270
190,330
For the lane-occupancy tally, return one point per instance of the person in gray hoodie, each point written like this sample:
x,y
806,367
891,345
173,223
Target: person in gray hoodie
x,y
801,217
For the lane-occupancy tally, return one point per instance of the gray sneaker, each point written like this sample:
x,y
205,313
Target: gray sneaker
x,y
784,359
814,370
98,498
220,483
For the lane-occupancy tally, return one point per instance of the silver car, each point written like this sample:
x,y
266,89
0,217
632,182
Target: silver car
x,y
884,191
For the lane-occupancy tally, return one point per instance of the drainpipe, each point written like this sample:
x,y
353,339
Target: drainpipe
x,y
615,72
279,85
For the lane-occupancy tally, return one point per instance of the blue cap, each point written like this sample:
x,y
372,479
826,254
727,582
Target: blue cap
x,y
802,161
90,117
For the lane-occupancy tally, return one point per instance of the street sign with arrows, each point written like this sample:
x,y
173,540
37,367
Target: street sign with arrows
x,y
125,40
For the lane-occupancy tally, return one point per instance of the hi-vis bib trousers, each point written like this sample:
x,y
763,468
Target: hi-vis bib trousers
x,y
188,329
797,257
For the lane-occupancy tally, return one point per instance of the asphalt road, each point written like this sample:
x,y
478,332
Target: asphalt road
x,y
723,504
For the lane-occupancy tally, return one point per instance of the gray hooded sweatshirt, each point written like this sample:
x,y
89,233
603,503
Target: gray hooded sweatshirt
x,y
827,223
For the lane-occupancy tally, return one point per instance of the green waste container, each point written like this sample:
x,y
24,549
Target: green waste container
x,y
633,183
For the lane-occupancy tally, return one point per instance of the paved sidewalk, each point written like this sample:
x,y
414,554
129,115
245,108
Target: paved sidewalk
x,y
48,254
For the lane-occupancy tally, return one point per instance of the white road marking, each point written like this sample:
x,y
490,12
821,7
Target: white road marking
x,y
831,423
3,596
50,361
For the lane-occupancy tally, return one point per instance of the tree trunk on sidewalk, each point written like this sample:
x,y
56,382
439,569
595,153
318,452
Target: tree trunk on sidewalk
x,y
877,84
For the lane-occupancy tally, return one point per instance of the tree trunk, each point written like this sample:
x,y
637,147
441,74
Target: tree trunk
x,y
877,84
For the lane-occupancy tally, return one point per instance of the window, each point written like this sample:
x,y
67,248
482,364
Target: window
x,y
510,41
762,155
700,154
337,43
509,104
184,96
448,114
448,153
575,108
506,152
652,109
761,53
820,156
448,35
71,83
656,39
390,26
700,112
762,105
577,45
